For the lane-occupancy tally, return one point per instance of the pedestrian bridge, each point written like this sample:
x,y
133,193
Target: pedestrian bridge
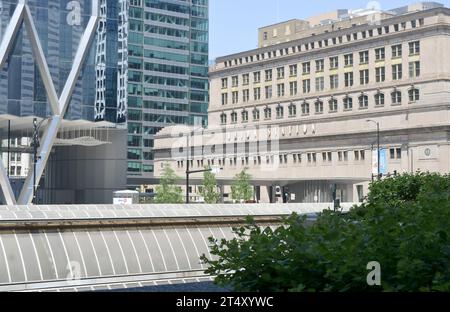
x,y
95,247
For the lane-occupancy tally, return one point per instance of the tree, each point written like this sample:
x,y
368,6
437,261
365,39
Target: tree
x,y
404,226
242,190
167,192
209,188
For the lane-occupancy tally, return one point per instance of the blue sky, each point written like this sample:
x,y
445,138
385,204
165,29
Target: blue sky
x,y
234,23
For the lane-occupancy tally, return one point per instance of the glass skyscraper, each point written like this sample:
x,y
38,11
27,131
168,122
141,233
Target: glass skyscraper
x,y
167,74
60,25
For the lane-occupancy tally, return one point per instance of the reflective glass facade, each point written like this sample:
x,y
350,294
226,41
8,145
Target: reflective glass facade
x,y
168,73
60,25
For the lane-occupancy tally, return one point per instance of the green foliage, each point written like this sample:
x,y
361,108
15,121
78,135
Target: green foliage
x,y
167,192
209,189
242,190
404,225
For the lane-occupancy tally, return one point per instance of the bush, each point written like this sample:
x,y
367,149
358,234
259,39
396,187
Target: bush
x,y
404,225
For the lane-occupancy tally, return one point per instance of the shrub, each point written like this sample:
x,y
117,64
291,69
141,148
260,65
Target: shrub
x,y
404,225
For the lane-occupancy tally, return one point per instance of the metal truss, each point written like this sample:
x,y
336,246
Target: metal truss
x,y
22,16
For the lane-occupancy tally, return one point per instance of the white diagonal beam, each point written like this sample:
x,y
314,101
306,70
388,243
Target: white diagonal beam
x,y
41,62
6,186
48,139
11,33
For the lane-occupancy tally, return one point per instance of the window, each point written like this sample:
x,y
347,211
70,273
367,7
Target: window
x,y
257,77
268,75
268,92
234,117
293,70
280,73
348,103
364,77
414,69
414,48
280,89
414,95
326,157
267,113
306,68
224,83
379,99
380,54
318,107
255,114
257,94
223,119
224,98
305,108
396,97
265,35
348,60
333,105
363,101
293,88
245,95
235,97
334,62
292,110
244,116
320,84
348,79
395,153
280,112
397,72
234,81
364,57
334,81
396,51
320,66
380,74
245,79
306,86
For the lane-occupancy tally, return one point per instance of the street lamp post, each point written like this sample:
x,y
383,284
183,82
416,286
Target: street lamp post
x,y
378,146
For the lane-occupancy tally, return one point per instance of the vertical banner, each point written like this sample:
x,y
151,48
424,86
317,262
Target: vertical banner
x,y
383,162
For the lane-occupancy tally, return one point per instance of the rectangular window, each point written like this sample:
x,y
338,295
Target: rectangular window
x,y
414,69
380,74
235,81
293,88
245,95
320,66
268,92
334,62
280,89
224,98
364,77
348,60
268,75
256,77
293,70
348,79
235,97
320,84
414,48
306,86
364,57
397,72
306,68
280,73
257,94
334,81
224,83
245,79
380,54
396,51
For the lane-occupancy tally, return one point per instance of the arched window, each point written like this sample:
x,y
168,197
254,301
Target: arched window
x,y
363,101
348,103
267,113
280,112
396,98
379,99
255,114
305,108
414,95
233,117
292,110
333,105
244,116
318,107
223,119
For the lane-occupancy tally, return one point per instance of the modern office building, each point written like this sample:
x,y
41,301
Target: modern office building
x,y
167,78
301,111
62,62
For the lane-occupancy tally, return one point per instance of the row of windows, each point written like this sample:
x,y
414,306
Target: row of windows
x,y
289,159
308,46
333,106
333,82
